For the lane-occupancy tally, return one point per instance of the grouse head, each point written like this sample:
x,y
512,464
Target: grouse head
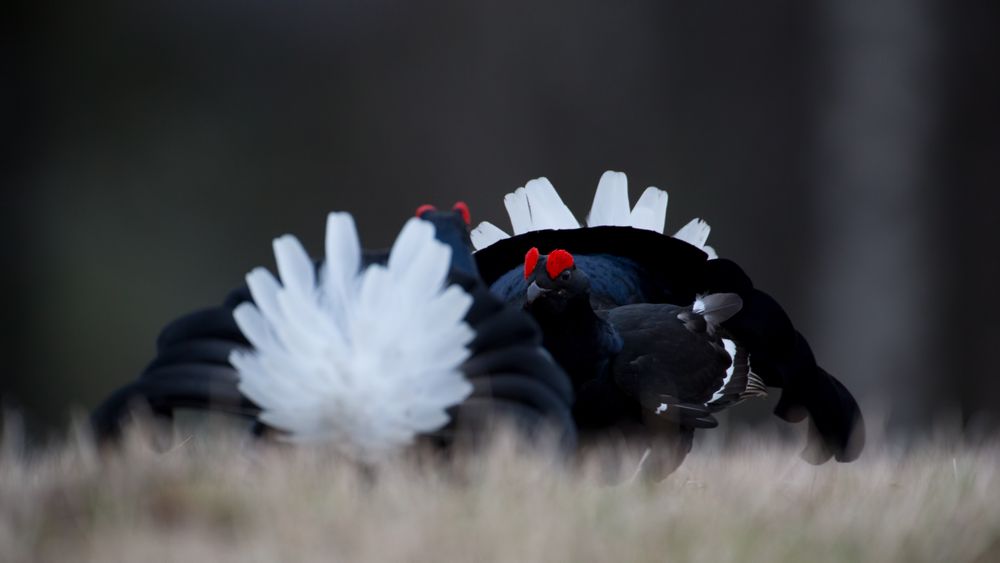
x,y
554,282
452,228
456,220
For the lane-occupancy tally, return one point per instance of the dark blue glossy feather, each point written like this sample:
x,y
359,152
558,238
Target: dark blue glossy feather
x,y
614,281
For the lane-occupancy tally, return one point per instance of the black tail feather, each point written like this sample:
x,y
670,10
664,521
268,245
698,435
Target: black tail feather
x,y
215,323
212,351
837,428
163,391
553,409
782,358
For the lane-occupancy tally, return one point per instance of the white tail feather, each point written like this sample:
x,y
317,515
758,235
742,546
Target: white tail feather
x,y
611,205
537,206
363,360
695,233
343,248
650,212
547,208
516,203
486,234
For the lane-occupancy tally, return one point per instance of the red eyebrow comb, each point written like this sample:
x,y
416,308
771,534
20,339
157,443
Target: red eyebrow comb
x,y
424,209
463,208
558,261
530,261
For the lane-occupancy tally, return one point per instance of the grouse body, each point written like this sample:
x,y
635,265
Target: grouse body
x,y
647,373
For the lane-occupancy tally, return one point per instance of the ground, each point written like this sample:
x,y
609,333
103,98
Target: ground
x,y
220,500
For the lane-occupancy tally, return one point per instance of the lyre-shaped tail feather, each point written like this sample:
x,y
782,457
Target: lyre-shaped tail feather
x,y
782,358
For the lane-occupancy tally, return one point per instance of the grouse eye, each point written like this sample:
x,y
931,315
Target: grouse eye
x,y
565,275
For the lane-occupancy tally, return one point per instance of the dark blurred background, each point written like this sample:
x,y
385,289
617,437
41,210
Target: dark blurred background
x,y
847,155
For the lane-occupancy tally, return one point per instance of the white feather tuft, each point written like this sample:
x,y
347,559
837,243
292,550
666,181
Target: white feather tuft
x,y
731,350
516,203
730,347
486,234
650,212
611,205
694,233
363,360
717,308
698,306
547,209
537,206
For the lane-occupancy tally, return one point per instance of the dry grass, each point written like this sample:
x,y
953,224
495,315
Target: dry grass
x,y
215,500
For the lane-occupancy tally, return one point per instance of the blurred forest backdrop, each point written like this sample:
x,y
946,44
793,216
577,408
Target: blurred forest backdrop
x,y
847,154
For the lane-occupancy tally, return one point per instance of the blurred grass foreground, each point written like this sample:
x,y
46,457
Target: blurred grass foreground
x,y
221,499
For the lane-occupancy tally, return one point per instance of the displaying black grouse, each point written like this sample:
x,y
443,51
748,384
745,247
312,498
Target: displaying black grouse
x,y
629,260
649,373
366,351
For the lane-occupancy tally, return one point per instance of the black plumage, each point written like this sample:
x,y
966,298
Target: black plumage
x,y
629,266
651,373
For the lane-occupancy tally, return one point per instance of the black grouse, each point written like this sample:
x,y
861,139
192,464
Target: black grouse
x,y
629,260
369,351
648,373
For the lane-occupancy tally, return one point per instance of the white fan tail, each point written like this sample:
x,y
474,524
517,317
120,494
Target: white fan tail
x,y
364,360
537,206
611,205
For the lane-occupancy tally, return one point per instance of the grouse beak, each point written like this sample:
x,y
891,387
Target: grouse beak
x,y
534,292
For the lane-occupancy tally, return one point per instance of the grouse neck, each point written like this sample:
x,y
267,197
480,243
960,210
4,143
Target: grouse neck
x,y
579,340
